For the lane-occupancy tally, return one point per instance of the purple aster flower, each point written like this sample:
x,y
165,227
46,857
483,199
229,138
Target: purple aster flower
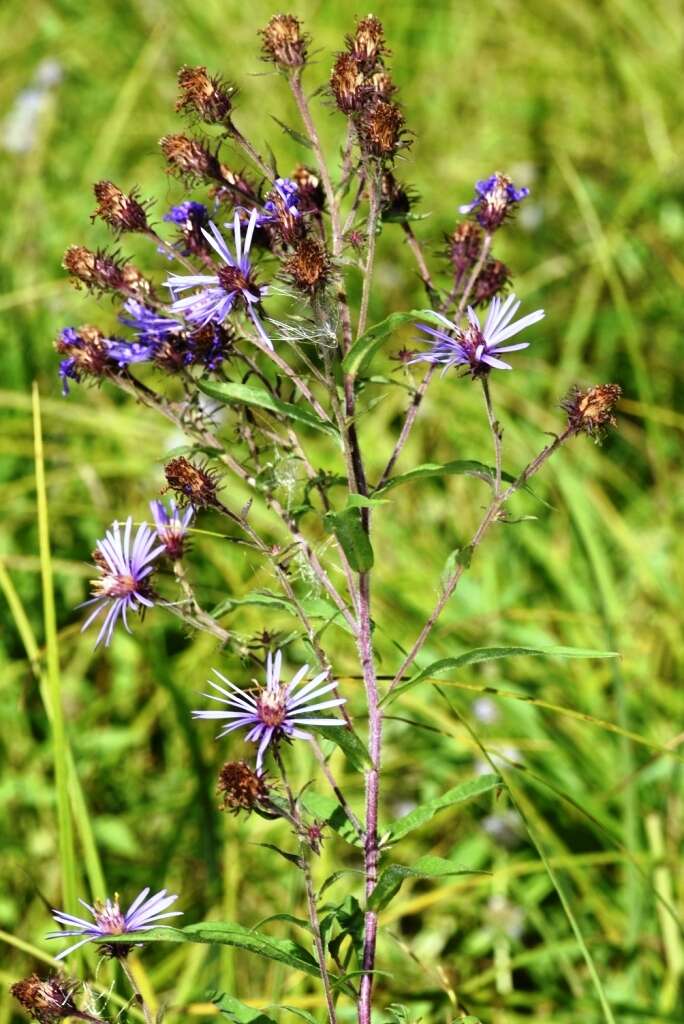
x,y
148,325
494,196
283,198
125,353
187,215
232,284
124,567
171,525
276,710
478,346
141,916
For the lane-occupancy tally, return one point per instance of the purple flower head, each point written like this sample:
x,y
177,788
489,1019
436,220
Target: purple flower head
x,y
89,354
284,198
125,353
187,215
148,325
125,565
171,525
274,711
218,293
494,197
108,919
478,346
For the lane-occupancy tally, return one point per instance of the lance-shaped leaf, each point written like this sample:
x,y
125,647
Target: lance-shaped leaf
x,y
347,740
391,879
459,467
354,540
246,394
424,812
225,933
359,356
239,1012
445,666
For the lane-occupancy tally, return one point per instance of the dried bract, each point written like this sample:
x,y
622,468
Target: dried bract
x,y
192,485
381,127
190,158
309,265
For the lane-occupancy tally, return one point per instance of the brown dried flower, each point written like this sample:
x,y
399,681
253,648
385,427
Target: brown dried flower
x,y
192,485
380,128
101,271
367,45
190,158
120,211
309,265
311,196
50,1000
283,42
240,787
592,411
492,279
347,84
205,96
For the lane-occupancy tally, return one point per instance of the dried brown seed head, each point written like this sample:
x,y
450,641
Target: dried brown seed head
x,y
348,84
591,411
190,158
380,128
205,96
309,265
492,279
283,42
192,485
240,787
367,45
120,211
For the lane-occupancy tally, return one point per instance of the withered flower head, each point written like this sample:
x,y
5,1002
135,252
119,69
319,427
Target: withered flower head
x,y
205,96
495,199
348,84
313,836
380,84
192,485
189,158
85,354
309,265
592,411
464,247
240,787
120,211
380,128
367,45
492,279
395,199
208,346
50,1000
97,270
283,42
311,193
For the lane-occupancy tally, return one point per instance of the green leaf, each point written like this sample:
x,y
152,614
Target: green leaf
x,y
465,791
238,1012
348,529
245,394
347,740
391,879
361,501
364,348
325,809
293,133
442,668
460,467
225,933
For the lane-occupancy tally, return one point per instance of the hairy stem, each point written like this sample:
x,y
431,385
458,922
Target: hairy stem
x,y
147,1012
373,217
495,428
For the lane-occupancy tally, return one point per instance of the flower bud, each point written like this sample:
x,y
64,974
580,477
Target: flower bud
x,y
464,247
309,265
120,211
192,485
189,158
592,411
283,42
205,96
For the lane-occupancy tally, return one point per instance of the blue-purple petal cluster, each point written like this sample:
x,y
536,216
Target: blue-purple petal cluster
x,y
214,296
275,711
171,525
108,919
494,197
478,346
125,563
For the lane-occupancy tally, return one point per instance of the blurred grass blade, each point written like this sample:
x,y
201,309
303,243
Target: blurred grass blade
x,y
67,853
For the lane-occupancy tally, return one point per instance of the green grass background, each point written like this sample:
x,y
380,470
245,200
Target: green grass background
x,y
581,100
